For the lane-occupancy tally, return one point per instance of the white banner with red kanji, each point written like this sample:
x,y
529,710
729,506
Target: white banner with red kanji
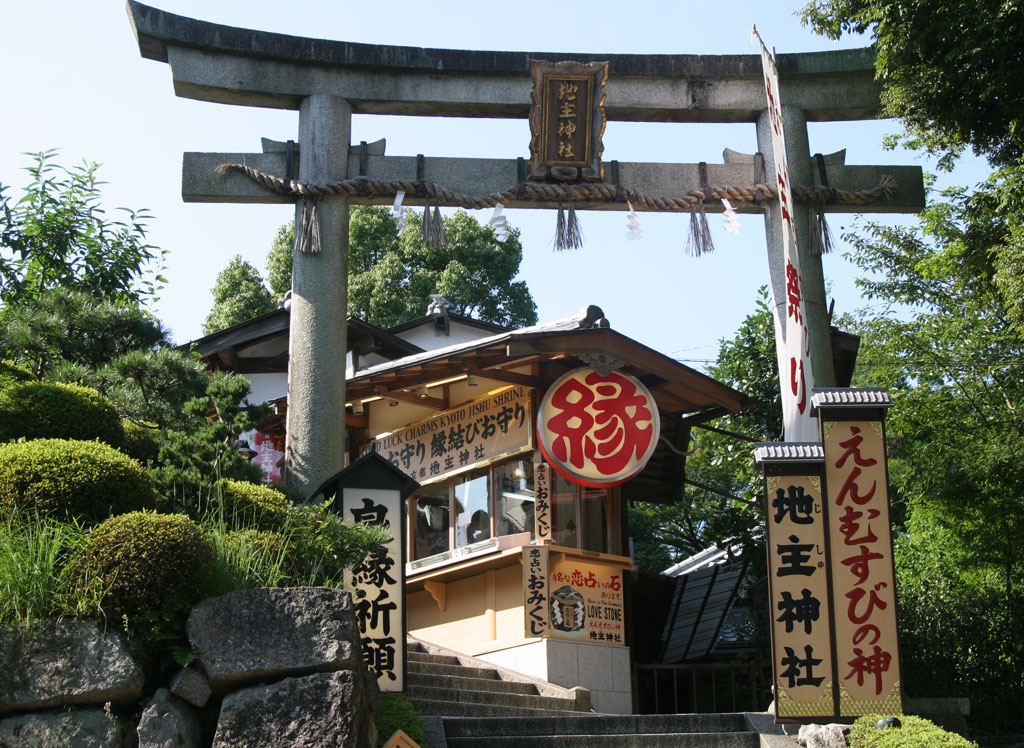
x,y
792,342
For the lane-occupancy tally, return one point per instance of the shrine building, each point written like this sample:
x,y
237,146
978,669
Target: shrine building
x,y
516,543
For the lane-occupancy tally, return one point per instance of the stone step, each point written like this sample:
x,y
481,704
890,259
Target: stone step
x,y
492,698
462,709
635,740
413,679
426,668
598,725
431,659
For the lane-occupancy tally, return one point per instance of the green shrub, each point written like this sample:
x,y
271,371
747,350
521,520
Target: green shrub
x,y
11,373
139,442
48,410
915,733
149,567
252,505
64,478
394,711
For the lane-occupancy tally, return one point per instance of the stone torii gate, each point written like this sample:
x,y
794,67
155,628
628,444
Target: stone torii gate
x,y
328,81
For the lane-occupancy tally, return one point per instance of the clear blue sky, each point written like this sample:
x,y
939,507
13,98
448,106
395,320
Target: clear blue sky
x,y
73,79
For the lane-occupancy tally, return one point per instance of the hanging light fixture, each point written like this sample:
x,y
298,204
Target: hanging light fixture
x,y
421,392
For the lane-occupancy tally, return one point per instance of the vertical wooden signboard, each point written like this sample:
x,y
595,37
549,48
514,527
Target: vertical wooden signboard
x,y
536,595
798,580
542,516
373,491
863,578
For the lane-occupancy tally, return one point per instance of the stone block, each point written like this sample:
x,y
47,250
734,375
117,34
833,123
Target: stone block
x,y
190,685
168,722
260,635
325,710
65,662
75,728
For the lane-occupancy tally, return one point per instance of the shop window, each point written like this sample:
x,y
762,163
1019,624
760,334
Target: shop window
x,y
431,521
472,508
499,501
515,497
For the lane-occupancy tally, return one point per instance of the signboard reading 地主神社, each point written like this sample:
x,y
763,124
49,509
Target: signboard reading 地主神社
x,y
798,591
863,580
567,120
598,429
462,438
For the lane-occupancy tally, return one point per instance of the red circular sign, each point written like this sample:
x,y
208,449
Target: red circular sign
x,y
598,430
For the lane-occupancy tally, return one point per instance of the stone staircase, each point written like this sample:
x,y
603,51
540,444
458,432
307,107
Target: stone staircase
x,y
468,702
604,731
445,683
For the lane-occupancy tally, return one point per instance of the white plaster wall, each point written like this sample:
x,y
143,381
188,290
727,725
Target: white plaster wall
x,y
266,387
603,670
424,337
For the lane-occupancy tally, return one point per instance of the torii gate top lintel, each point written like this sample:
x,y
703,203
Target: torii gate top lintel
x,y
827,86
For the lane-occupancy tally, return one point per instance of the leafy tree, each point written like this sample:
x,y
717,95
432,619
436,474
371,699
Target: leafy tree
x,y
279,261
748,363
74,326
391,278
950,70
954,366
238,296
57,235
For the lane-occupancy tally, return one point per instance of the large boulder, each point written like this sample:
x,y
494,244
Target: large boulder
x,y
65,662
265,634
75,728
326,710
168,722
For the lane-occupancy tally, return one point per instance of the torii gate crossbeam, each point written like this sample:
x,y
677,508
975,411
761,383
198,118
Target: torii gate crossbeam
x,y
328,81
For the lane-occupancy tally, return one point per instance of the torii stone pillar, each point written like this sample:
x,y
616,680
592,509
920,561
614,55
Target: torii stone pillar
x,y
315,445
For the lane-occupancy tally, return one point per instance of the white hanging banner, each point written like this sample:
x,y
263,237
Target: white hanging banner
x,y
792,342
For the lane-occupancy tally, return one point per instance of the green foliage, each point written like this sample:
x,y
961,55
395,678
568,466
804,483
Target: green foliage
x,y
73,326
33,550
58,235
330,545
252,558
279,261
944,343
145,563
238,296
245,503
78,479
914,733
140,442
950,71
43,410
394,711
391,278
191,461
147,386
747,362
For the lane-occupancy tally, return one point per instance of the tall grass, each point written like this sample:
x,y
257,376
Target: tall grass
x,y
33,551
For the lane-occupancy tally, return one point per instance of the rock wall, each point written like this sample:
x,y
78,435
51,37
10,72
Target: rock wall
x,y
274,668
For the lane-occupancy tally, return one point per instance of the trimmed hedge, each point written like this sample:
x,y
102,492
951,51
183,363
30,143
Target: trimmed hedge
x,y
916,732
141,563
251,504
49,410
394,711
64,478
